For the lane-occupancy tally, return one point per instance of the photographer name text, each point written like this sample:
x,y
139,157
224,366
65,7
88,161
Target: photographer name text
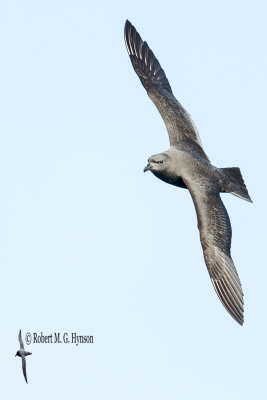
x,y
58,338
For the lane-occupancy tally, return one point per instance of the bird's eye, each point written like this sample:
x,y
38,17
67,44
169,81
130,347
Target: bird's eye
x,y
161,161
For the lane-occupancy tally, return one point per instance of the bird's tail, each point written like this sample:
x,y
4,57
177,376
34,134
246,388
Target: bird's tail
x,y
235,183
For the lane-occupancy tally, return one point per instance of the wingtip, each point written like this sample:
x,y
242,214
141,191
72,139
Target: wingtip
x,y
230,299
127,25
239,320
127,29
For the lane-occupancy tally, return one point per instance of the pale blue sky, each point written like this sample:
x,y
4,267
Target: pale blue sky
x,y
90,244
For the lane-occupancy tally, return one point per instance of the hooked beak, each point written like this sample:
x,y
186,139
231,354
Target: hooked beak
x,y
147,168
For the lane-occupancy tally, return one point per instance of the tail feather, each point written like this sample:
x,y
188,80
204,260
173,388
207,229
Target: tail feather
x,y
236,184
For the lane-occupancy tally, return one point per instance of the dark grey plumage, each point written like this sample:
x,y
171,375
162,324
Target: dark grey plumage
x,y
22,353
186,165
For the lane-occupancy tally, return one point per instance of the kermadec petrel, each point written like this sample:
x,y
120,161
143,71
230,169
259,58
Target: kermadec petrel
x,y
186,165
22,353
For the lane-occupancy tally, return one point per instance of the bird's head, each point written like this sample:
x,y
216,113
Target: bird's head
x,y
17,354
158,164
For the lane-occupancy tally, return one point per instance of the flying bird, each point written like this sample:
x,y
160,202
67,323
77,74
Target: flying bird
x,y
22,353
186,165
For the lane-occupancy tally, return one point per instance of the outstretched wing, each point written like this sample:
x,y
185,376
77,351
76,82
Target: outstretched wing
x,y
215,236
178,122
23,358
20,340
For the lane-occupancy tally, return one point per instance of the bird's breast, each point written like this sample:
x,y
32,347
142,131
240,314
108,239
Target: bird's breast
x,y
171,179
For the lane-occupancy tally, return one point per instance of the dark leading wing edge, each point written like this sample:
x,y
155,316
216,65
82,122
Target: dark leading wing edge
x,y
20,340
215,236
179,124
